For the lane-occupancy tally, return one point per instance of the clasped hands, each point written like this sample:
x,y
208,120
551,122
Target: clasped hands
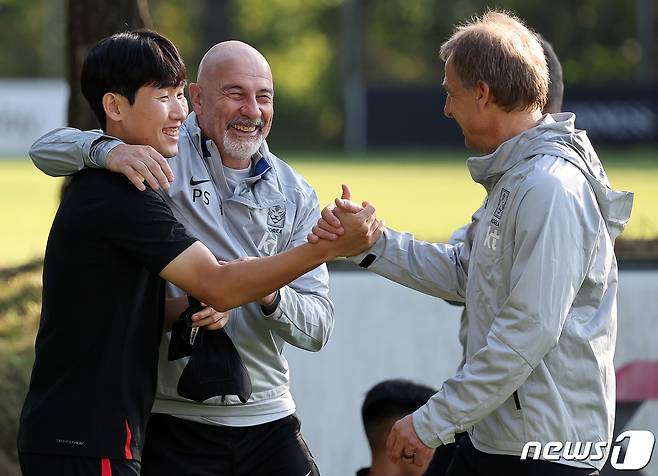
x,y
345,217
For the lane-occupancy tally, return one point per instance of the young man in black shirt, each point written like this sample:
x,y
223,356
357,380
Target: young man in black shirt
x,y
110,245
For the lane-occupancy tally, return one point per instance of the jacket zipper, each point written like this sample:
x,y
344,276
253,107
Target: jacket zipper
x,y
517,402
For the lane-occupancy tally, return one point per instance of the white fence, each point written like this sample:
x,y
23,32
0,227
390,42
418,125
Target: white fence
x,y
384,331
28,109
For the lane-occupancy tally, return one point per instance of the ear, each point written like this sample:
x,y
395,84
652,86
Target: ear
x,y
112,106
195,97
483,94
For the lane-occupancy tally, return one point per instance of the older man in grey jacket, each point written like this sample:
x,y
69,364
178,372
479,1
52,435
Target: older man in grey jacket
x,y
240,200
539,277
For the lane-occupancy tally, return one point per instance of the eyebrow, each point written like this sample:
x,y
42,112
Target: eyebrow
x,y
228,87
231,86
182,84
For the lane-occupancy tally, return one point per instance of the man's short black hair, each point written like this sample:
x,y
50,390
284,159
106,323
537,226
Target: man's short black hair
x,y
391,400
124,62
556,83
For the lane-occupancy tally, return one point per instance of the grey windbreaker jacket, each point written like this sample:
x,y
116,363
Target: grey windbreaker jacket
x,y
540,282
269,212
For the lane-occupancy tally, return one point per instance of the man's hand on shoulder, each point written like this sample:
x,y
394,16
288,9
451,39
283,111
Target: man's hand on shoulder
x,y
139,163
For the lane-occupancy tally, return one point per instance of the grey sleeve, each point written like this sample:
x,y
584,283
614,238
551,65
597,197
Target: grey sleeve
x,y
305,314
544,278
66,151
436,269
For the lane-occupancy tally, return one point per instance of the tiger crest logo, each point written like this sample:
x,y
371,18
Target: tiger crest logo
x,y
276,216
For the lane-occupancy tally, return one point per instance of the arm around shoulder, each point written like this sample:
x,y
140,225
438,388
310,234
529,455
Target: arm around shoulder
x,y
66,150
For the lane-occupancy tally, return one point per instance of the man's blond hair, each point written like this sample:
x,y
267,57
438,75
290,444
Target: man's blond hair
x,y
498,49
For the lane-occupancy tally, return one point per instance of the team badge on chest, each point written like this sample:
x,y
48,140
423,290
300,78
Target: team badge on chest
x,y
498,212
276,216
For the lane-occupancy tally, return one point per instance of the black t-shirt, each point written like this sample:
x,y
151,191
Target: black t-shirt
x,y
94,376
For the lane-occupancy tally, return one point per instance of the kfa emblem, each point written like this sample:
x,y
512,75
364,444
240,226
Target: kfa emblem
x,y
498,212
491,238
276,216
267,245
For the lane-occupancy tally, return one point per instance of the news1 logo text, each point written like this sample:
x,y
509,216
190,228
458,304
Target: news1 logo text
x,y
639,448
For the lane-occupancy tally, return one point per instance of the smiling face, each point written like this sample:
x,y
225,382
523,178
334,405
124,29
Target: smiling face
x,y
153,119
461,105
233,100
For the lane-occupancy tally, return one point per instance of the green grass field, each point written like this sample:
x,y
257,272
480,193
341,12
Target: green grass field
x,y
427,193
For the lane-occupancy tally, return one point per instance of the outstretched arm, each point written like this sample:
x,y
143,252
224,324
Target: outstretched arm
x,y
435,269
226,286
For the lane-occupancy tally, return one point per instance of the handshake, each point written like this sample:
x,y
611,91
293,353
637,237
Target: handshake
x,y
347,226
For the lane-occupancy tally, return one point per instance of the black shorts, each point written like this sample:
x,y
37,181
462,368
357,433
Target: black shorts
x,y
442,458
35,464
466,460
176,447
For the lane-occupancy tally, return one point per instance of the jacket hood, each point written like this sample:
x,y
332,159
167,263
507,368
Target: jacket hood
x,y
556,135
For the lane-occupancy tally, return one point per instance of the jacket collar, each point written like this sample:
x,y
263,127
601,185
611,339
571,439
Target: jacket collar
x,y
557,135
487,169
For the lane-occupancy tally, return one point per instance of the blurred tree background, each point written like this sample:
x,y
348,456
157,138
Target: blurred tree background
x,y
598,41
321,52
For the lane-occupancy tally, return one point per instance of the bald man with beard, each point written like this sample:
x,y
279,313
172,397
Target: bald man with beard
x,y
240,200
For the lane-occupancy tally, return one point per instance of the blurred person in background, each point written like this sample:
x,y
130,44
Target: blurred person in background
x,y
386,403
539,278
241,200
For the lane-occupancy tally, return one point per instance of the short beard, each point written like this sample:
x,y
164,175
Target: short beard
x,y
243,149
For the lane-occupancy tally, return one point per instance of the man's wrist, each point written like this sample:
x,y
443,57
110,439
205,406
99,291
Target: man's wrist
x,y
323,250
269,308
100,149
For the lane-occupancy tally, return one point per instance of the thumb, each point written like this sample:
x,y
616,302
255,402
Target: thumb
x,y
347,205
346,192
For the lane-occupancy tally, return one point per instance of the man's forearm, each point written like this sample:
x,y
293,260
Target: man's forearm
x,y
230,285
253,279
430,268
67,150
